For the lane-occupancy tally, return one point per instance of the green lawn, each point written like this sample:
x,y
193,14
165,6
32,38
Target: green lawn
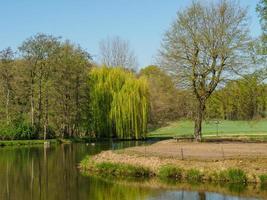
x,y
225,128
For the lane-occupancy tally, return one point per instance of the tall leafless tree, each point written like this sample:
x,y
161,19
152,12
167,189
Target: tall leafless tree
x,y
205,44
116,52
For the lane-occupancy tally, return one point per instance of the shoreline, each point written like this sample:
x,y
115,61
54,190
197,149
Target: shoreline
x,y
261,138
157,160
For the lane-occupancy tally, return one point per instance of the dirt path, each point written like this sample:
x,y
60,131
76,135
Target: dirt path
x,y
202,151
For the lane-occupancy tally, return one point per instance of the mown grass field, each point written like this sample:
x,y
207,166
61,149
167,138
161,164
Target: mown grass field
x,y
211,128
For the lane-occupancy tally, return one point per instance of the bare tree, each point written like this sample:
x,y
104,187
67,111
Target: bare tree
x,y
116,52
205,44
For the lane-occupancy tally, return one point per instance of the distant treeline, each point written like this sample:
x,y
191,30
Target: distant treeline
x,y
241,99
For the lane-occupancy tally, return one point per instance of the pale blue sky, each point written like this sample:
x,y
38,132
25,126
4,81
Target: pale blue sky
x,y
86,22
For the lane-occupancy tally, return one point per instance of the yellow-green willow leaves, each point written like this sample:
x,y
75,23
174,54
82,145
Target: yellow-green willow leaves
x,y
119,103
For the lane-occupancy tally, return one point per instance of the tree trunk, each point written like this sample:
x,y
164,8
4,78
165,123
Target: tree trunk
x,y
7,107
32,99
198,121
40,102
46,115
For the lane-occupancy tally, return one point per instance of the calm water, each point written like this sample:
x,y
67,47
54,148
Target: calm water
x,y
35,173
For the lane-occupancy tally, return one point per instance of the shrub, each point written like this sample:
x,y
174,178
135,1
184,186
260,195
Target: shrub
x,y
194,175
16,131
107,167
222,176
24,131
263,179
116,169
7,132
236,176
135,171
169,171
86,162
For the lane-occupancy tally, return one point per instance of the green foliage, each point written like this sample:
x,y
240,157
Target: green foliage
x,y
170,171
16,131
122,170
263,179
167,102
43,93
119,103
242,99
194,175
261,9
236,176
25,142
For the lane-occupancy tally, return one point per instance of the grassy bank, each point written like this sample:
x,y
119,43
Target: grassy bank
x,y
4,143
192,162
211,129
170,172
26,142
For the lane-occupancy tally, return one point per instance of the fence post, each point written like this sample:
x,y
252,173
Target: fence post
x,y
222,152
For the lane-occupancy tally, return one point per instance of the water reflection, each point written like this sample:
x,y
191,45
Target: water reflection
x,y
182,195
38,173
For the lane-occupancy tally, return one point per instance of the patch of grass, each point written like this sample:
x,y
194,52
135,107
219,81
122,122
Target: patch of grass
x,y
236,176
223,176
194,175
119,169
85,162
263,179
225,128
170,171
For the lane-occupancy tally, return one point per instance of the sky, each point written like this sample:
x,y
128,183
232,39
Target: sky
x,y
86,22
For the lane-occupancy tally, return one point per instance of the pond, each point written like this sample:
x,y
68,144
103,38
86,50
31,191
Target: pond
x,y
38,173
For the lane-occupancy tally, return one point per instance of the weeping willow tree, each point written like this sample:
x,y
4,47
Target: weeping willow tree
x,y
119,103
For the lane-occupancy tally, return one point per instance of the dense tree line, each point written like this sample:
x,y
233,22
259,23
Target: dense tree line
x,y
167,101
51,88
242,99
43,89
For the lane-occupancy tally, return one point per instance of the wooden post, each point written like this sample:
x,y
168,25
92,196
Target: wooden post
x,y
222,152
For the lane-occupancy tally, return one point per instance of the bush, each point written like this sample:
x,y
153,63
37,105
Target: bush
x,y
86,162
115,169
194,175
221,176
236,176
15,131
7,132
135,171
169,171
263,179
23,131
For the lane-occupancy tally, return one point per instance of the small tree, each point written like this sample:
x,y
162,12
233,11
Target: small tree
x,y
203,45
